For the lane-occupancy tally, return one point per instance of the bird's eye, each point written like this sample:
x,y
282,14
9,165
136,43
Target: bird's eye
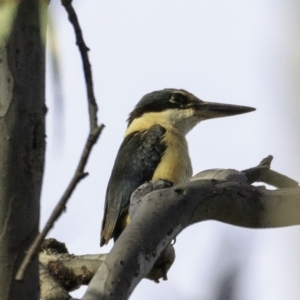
x,y
178,99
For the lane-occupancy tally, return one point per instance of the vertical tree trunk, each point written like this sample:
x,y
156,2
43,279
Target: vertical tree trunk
x,y
22,147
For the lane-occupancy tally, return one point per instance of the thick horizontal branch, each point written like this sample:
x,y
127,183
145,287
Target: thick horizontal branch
x,y
71,271
162,214
61,272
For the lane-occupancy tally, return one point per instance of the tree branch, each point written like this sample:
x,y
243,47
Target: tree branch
x,y
71,271
85,62
61,272
173,209
142,251
93,136
50,288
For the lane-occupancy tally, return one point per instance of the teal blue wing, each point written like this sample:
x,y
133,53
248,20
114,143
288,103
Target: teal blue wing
x,y
136,161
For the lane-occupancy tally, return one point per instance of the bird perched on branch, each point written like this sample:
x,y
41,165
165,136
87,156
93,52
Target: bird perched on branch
x,y
155,147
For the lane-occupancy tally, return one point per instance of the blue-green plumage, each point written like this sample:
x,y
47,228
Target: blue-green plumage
x,y
138,156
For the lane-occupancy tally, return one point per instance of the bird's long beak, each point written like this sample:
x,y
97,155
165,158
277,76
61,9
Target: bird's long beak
x,y
209,110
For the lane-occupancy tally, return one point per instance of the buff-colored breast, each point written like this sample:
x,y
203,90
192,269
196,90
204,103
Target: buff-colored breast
x,y
175,164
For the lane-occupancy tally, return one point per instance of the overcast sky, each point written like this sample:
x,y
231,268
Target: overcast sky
x,y
238,52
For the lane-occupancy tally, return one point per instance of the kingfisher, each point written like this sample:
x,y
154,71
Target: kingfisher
x,y
155,147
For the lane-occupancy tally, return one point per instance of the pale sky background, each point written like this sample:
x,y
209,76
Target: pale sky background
x,y
238,52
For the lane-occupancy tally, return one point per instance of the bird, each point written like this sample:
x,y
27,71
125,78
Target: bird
x,y
155,147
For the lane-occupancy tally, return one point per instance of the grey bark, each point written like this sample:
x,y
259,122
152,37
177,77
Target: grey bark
x,y
22,147
51,289
69,270
173,209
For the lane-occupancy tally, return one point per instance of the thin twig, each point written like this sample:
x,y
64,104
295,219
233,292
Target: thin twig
x,y
85,61
93,136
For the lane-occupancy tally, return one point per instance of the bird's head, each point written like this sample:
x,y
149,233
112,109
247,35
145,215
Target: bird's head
x,y
180,109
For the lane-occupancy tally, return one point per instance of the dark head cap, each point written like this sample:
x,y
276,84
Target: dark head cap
x,y
162,100
166,99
